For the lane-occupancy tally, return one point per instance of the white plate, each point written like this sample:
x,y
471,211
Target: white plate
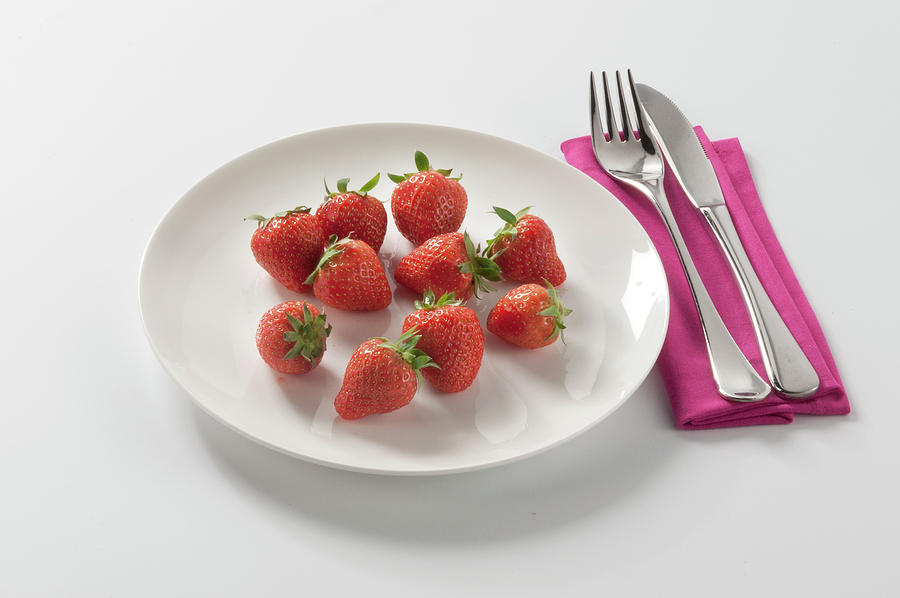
x,y
202,295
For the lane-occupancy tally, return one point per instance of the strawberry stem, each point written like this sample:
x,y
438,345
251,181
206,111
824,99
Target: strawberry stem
x,y
557,311
308,335
333,249
422,162
343,183
510,221
422,165
370,184
263,221
405,347
482,268
429,302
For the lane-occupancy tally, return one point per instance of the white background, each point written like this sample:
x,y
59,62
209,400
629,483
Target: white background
x,y
113,484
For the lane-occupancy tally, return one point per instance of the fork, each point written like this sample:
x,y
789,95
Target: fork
x,y
635,161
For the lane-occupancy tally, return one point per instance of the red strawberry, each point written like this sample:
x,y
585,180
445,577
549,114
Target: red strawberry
x,y
354,214
291,337
428,202
381,376
349,276
529,316
452,337
288,246
525,250
447,263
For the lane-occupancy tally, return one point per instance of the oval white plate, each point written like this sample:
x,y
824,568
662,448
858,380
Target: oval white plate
x,y
202,295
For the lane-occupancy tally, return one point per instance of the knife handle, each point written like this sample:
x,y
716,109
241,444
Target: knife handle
x,y
735,377
789,370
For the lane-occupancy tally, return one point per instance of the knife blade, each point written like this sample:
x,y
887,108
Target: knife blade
x,y
788,368
687,158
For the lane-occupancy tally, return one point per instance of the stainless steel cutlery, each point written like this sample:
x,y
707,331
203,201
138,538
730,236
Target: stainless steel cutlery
x,y
788,369
638,163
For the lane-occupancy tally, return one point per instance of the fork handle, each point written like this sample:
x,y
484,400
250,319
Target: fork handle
x,y
790,371
735,378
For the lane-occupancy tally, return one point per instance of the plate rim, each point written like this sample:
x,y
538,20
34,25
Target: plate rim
x,y
186,387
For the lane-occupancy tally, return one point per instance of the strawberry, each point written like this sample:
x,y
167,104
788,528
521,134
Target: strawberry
x,y
529,316
447,263
525,250
381,376
354,214
452,337
288,246
349,276
428,202
291,337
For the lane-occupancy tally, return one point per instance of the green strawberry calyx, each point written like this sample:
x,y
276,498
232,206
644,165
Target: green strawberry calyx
x,y
405,347
508,229
342,187
557,311
264,221
332,250
482,268
428,300
308,335
422,165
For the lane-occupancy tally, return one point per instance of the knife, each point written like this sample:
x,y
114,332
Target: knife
x,y
787,366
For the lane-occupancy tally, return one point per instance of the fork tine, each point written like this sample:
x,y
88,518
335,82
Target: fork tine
x,y
627,131
646,139
597,131
638,108
612,126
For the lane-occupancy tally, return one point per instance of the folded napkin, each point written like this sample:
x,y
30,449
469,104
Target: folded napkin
x,y
683,361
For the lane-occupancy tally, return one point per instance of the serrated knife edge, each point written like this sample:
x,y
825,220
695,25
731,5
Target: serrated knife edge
x,y
687,157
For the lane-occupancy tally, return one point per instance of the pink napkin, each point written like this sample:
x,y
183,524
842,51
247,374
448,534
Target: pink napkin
x,y
683,361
